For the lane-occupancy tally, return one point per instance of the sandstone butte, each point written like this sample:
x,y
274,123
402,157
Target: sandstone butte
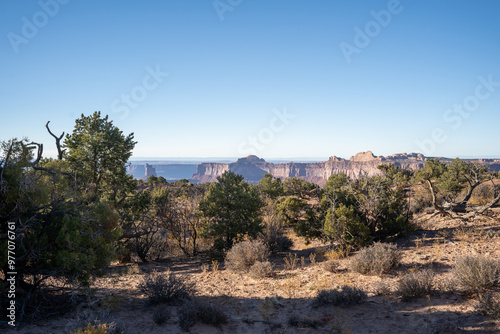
x,y
253,168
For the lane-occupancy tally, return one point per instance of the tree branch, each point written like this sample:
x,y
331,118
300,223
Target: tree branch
x,y
58,141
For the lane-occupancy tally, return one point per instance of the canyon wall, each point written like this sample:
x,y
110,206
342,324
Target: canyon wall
x,y
254,168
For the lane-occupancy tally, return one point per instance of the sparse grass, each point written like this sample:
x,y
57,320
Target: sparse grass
x,y
376,259
261,269
476,272
337,253
343,297
312,258
215,265
267,308
243,255
415,284
165,288
209,314
489,305
91,329
291,261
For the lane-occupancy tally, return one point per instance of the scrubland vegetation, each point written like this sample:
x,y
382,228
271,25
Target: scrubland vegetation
x,y
82,223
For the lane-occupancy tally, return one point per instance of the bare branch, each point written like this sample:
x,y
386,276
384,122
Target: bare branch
x,y
58,141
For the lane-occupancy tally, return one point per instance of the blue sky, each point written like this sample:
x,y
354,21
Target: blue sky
x,y
275,78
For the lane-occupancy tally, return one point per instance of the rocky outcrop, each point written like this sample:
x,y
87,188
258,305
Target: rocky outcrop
x,y
254,168
150,171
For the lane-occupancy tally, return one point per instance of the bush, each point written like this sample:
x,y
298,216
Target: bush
x,y
161,316
261,269
243,255
489,305
344,297
475,273
165,288
91,329
192,312
94,319
416,284
331,265
303,322
376,259
421,200
276,241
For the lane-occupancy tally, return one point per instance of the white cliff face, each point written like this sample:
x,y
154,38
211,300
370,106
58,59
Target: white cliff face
x,y
253,168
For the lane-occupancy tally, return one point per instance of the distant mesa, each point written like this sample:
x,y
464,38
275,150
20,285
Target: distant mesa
x,y
150,171
254,168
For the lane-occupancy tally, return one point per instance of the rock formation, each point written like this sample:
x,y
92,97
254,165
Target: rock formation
x,y
150,171
254,168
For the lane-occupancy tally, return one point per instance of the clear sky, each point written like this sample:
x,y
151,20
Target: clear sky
x,y
281,78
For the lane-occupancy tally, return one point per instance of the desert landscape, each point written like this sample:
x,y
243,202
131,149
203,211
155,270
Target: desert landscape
x,y
283,303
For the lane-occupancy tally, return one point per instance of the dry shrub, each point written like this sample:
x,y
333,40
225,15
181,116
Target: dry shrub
x,y
87,319
416,284
330,266
192,312
421,200
243,255
482,194
345,296
91,329
382,288
489,305
303,322
261,269
376,259
161,316
165,288
476,272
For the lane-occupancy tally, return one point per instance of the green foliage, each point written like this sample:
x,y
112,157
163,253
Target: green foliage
x,y
232,210
98,152
272,188
369,208
295,186
289,209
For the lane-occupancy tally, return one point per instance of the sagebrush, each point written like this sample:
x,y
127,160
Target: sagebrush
x,y
376,259
415,284
343,297
476,272
243,255
165,287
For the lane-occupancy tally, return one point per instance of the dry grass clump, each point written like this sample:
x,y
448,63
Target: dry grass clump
x,y
261,269
489,305
343,297
92,320
476,272
330,265
376,259
243,255
193,312
91,329
165,288
416,284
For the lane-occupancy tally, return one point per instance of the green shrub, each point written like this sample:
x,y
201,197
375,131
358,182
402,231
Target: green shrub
x,y
416,284
344,297
476,272
243,255
165,288
376,259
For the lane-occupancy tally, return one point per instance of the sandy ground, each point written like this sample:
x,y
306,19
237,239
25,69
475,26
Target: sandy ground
x,y
290,291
